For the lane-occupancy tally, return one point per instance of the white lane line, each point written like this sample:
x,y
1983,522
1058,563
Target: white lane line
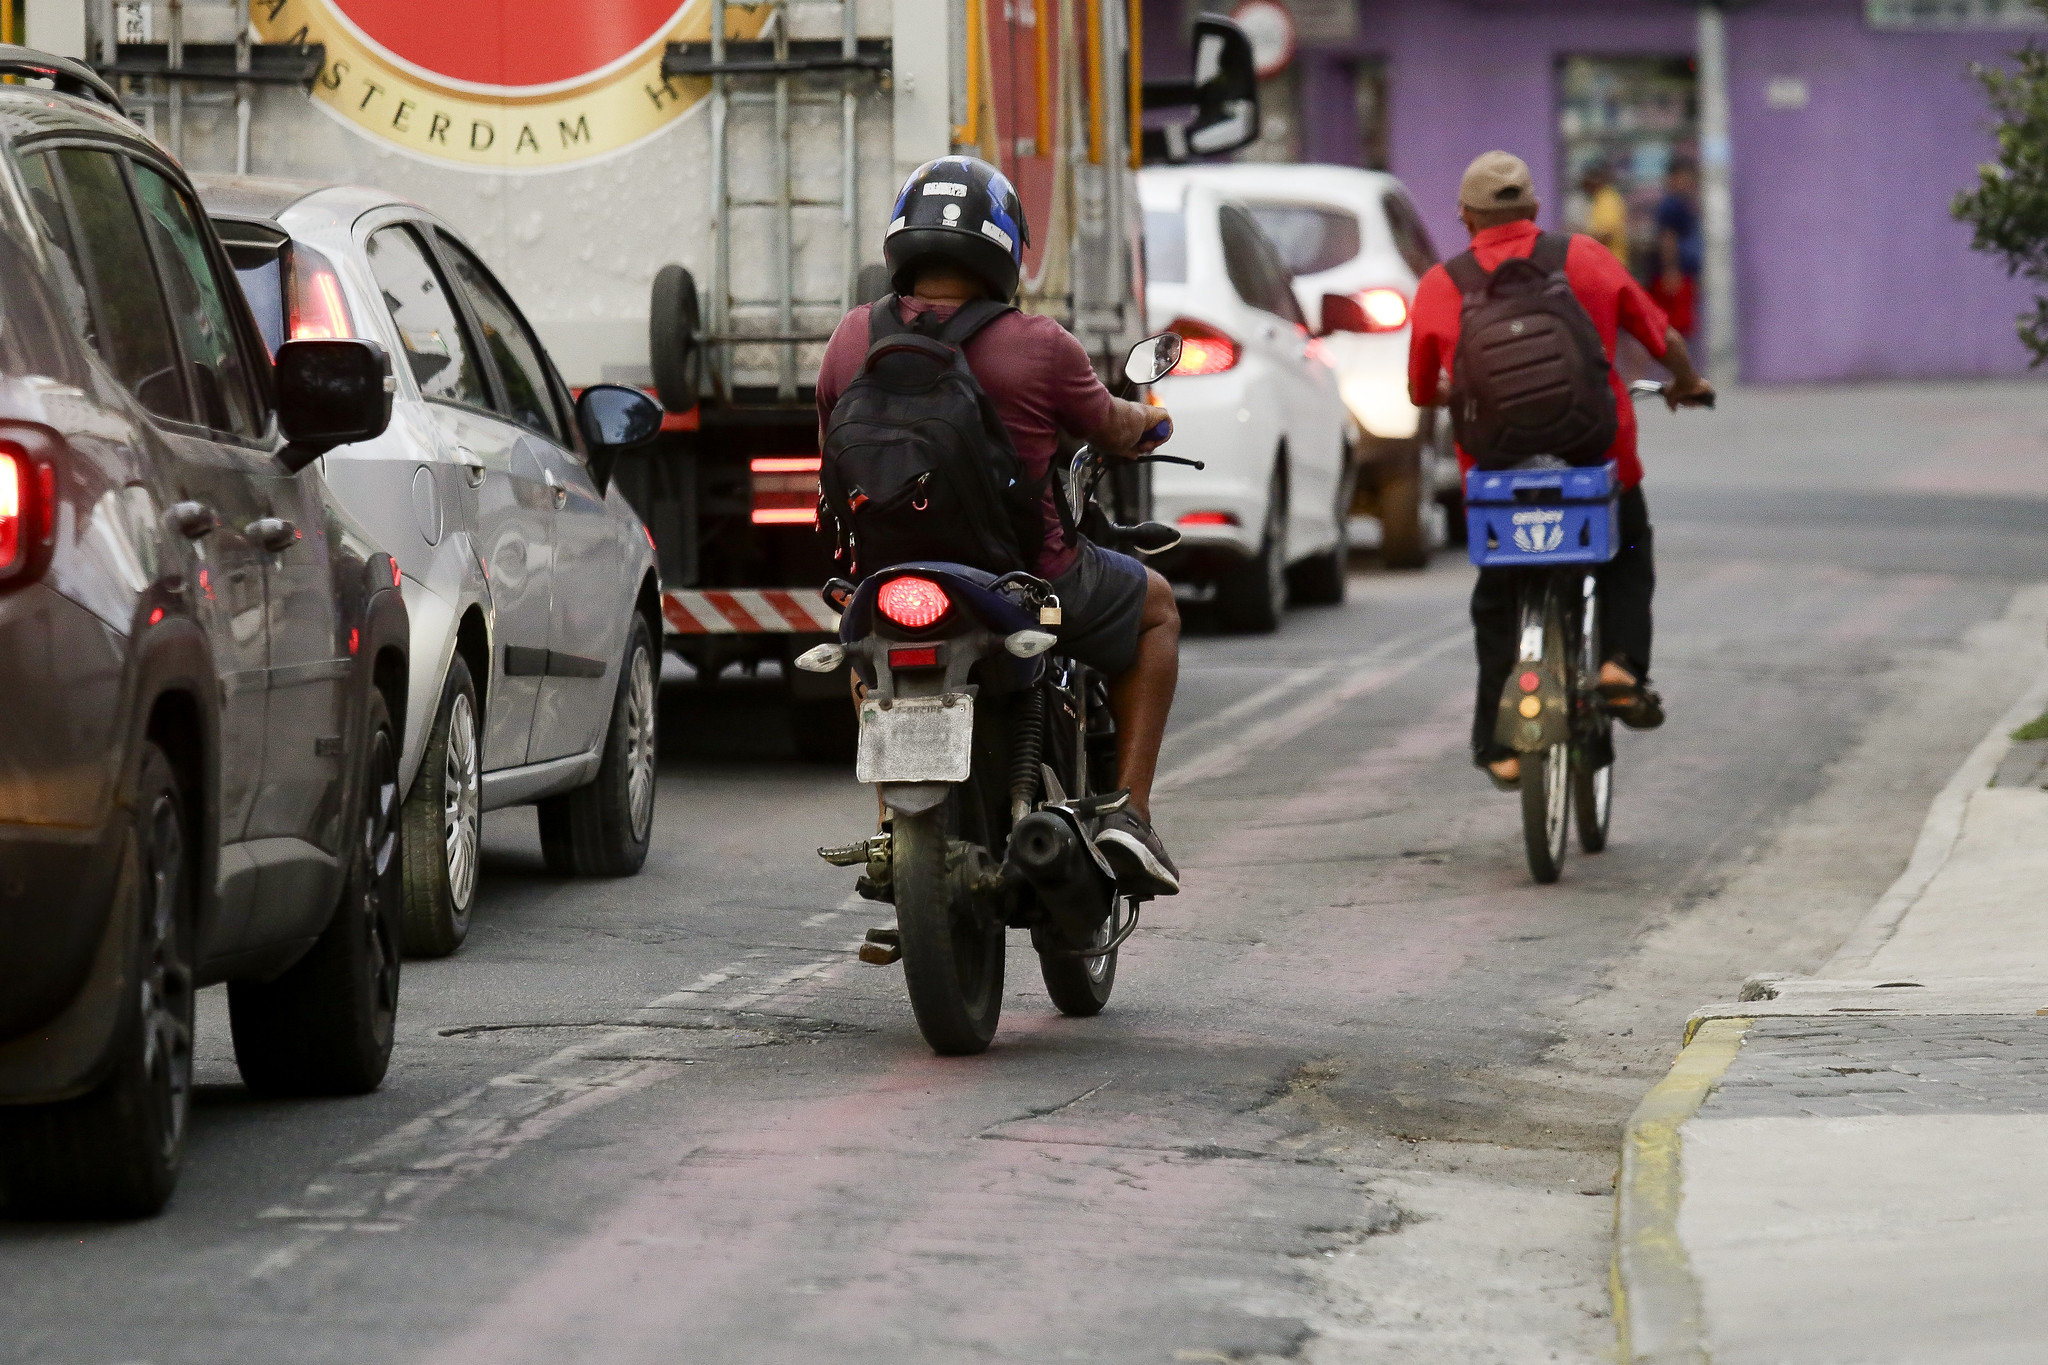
x,y
1365,676
386,1186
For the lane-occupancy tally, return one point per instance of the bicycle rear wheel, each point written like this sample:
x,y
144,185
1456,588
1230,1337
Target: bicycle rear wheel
x,y
1546,809
1592,804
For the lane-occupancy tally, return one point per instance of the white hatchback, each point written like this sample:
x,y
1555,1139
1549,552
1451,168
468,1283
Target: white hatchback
x,y
1353,232
531,583
1255,399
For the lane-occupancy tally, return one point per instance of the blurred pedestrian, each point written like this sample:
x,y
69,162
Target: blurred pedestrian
x,y
1606,210
1680,244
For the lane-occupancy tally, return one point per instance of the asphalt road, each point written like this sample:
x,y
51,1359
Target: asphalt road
x,y
1357,1095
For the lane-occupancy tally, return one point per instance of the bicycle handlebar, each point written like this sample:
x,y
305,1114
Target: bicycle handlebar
x,y
1656,388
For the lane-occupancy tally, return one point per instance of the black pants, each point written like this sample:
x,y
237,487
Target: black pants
x,y
1627,583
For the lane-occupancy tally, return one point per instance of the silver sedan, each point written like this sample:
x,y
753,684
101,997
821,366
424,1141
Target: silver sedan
x,y
531,583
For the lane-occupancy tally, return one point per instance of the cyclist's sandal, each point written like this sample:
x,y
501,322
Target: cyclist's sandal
x,y
1635,704
1500,784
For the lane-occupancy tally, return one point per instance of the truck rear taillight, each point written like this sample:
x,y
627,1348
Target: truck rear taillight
x,y
1203,349
786,490
28,509
319,312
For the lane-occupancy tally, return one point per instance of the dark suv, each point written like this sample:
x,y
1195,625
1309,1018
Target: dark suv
x,y
203,671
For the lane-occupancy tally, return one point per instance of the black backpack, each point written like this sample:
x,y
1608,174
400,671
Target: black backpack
x,y
917,465
1530,376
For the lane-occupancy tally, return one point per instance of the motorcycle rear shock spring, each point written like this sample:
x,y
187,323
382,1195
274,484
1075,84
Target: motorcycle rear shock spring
x,y
1027,748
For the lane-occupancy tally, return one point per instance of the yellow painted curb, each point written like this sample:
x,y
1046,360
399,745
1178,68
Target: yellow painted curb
x,y
1656,1299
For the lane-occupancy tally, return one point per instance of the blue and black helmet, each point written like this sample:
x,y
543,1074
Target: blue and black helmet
x,y
963,212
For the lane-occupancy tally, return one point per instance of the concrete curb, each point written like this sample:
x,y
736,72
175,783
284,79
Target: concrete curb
x,y
1657,1312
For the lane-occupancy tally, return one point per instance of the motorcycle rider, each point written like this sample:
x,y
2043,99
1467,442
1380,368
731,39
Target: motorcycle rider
x,y
958,234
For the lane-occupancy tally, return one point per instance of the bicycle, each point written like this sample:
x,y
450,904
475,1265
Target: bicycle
x,y
1556,525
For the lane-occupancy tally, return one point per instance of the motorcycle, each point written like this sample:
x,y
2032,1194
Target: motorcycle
x,y
995,759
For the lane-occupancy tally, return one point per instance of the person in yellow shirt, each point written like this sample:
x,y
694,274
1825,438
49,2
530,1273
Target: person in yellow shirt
x,y
1606,210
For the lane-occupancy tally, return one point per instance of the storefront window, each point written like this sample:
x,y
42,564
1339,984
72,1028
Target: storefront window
x,y
1621,122
1953,14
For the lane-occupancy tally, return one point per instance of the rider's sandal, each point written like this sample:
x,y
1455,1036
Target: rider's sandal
x,y
1501,784
1633,704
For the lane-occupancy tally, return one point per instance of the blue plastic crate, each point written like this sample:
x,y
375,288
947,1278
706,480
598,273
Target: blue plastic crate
x,y
1522,518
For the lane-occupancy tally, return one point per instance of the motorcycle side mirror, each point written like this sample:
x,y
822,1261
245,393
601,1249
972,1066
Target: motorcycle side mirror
x,y
1152,359
1224,94
330,393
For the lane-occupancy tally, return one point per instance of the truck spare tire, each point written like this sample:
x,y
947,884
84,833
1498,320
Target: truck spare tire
x,y
675,348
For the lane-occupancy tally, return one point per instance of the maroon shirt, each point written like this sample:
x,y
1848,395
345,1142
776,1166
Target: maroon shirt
x,y
1032,369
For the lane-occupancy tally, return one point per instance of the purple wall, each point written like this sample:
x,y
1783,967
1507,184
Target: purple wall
x,y
1848,264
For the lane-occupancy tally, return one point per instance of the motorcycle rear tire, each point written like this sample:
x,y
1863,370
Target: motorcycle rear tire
x,y
952,955
1079,986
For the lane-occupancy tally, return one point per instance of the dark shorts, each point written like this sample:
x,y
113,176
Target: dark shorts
x,y
1102,608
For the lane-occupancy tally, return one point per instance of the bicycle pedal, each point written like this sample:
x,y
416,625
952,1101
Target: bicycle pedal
x,y
883,947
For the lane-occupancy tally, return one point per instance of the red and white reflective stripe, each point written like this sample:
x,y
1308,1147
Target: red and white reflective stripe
x,y
748,611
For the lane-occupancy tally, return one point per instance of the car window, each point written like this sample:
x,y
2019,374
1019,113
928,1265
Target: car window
x,y
1255,268
528,399
1166,246
42,197
1411,236
34,311
1310,237
217,368
436,343
131,330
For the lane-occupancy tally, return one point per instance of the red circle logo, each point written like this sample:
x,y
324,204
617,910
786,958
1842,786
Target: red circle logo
x,y
510,42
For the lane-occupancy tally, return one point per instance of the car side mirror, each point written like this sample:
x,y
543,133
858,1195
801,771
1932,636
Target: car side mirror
x,y
1343,313
330,393
1152,359
613,418
1224,95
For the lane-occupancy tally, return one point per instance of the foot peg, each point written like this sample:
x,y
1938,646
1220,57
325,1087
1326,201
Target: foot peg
x,y
851,855
883,947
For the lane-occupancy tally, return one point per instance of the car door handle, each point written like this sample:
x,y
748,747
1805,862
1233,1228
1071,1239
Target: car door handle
x,y
559,490
472,467
191,519
272,533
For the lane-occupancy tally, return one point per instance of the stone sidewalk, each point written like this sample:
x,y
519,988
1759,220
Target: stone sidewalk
x,y
1852,1168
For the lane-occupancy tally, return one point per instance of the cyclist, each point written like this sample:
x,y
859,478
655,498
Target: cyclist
x,y
958,234
1497,202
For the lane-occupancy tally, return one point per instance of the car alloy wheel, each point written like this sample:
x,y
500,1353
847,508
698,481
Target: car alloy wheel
x,y
640,715
461,802
166,980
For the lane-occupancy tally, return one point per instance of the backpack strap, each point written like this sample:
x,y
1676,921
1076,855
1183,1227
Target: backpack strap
x,y
974,315
885,319
1551,251
1466,272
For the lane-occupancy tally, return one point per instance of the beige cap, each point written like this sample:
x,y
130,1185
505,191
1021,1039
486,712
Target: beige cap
x,y
1497,180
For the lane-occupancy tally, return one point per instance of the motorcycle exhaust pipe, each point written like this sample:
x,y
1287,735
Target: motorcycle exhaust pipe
x,y
1049,851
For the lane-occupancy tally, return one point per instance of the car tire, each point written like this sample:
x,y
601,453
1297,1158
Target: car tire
x,y
1320,581
1251,597
116,1151
443,823
1404,531
675,348
603,829
325,1027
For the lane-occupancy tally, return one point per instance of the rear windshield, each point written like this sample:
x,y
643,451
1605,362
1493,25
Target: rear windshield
x,y
1166,246
264,284
1311,238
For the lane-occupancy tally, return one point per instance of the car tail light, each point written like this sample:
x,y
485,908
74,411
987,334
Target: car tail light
x,y
1386,310
1209,519
786,490
912,602
1203,349
927,657
319,312
28,507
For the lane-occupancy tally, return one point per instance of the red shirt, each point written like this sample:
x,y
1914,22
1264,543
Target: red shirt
x,y
1610,294
1032,369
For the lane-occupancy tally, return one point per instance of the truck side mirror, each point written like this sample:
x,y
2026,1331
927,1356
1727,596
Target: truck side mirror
x,y
330,393
1224,95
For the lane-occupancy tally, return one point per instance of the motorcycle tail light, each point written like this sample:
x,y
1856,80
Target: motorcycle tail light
x,y
319,312
1386,310
927,657
913,603
1203,349
1209,519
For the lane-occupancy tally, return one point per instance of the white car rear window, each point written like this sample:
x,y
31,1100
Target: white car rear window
x,y
1166,246
1312,238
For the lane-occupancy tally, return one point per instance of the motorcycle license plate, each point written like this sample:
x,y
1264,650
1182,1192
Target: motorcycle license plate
x,y
917,739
